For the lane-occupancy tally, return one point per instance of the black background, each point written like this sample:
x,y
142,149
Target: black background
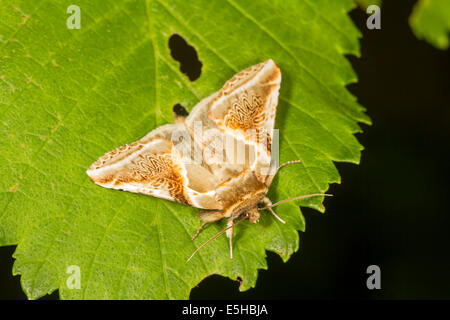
x,y
391,210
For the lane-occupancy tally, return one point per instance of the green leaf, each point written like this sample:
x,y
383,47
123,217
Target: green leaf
x,y
430,20
67,96
363,4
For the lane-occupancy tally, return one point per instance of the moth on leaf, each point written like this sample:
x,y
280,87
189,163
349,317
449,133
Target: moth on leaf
x,y
217,158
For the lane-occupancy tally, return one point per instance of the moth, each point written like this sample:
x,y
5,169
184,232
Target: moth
x,y
217,158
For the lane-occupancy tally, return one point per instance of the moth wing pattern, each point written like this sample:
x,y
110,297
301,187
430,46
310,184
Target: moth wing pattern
x,y
155,167
245,108
242,112
225,166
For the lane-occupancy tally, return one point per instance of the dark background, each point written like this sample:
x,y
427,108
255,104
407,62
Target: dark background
x,y
391,210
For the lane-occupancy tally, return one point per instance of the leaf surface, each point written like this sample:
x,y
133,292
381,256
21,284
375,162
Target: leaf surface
x,y
69,96
430,20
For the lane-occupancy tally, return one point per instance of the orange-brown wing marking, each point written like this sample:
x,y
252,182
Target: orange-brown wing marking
x,y
153,166
246,105
143,167
248,115
240,79
245,108
159,172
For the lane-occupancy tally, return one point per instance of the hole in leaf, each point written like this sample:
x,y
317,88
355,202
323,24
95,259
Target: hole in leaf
x,y
186,55
180,111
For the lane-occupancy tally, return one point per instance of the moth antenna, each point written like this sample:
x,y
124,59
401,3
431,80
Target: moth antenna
x,y
215,236
296,198
275,215
267,203
288,162
272,176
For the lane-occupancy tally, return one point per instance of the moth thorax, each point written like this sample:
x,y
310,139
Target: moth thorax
x,y
249,205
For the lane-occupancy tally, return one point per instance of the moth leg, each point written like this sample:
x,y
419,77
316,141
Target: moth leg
x,y
274,170
207,216
230,234
267,203
199,230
